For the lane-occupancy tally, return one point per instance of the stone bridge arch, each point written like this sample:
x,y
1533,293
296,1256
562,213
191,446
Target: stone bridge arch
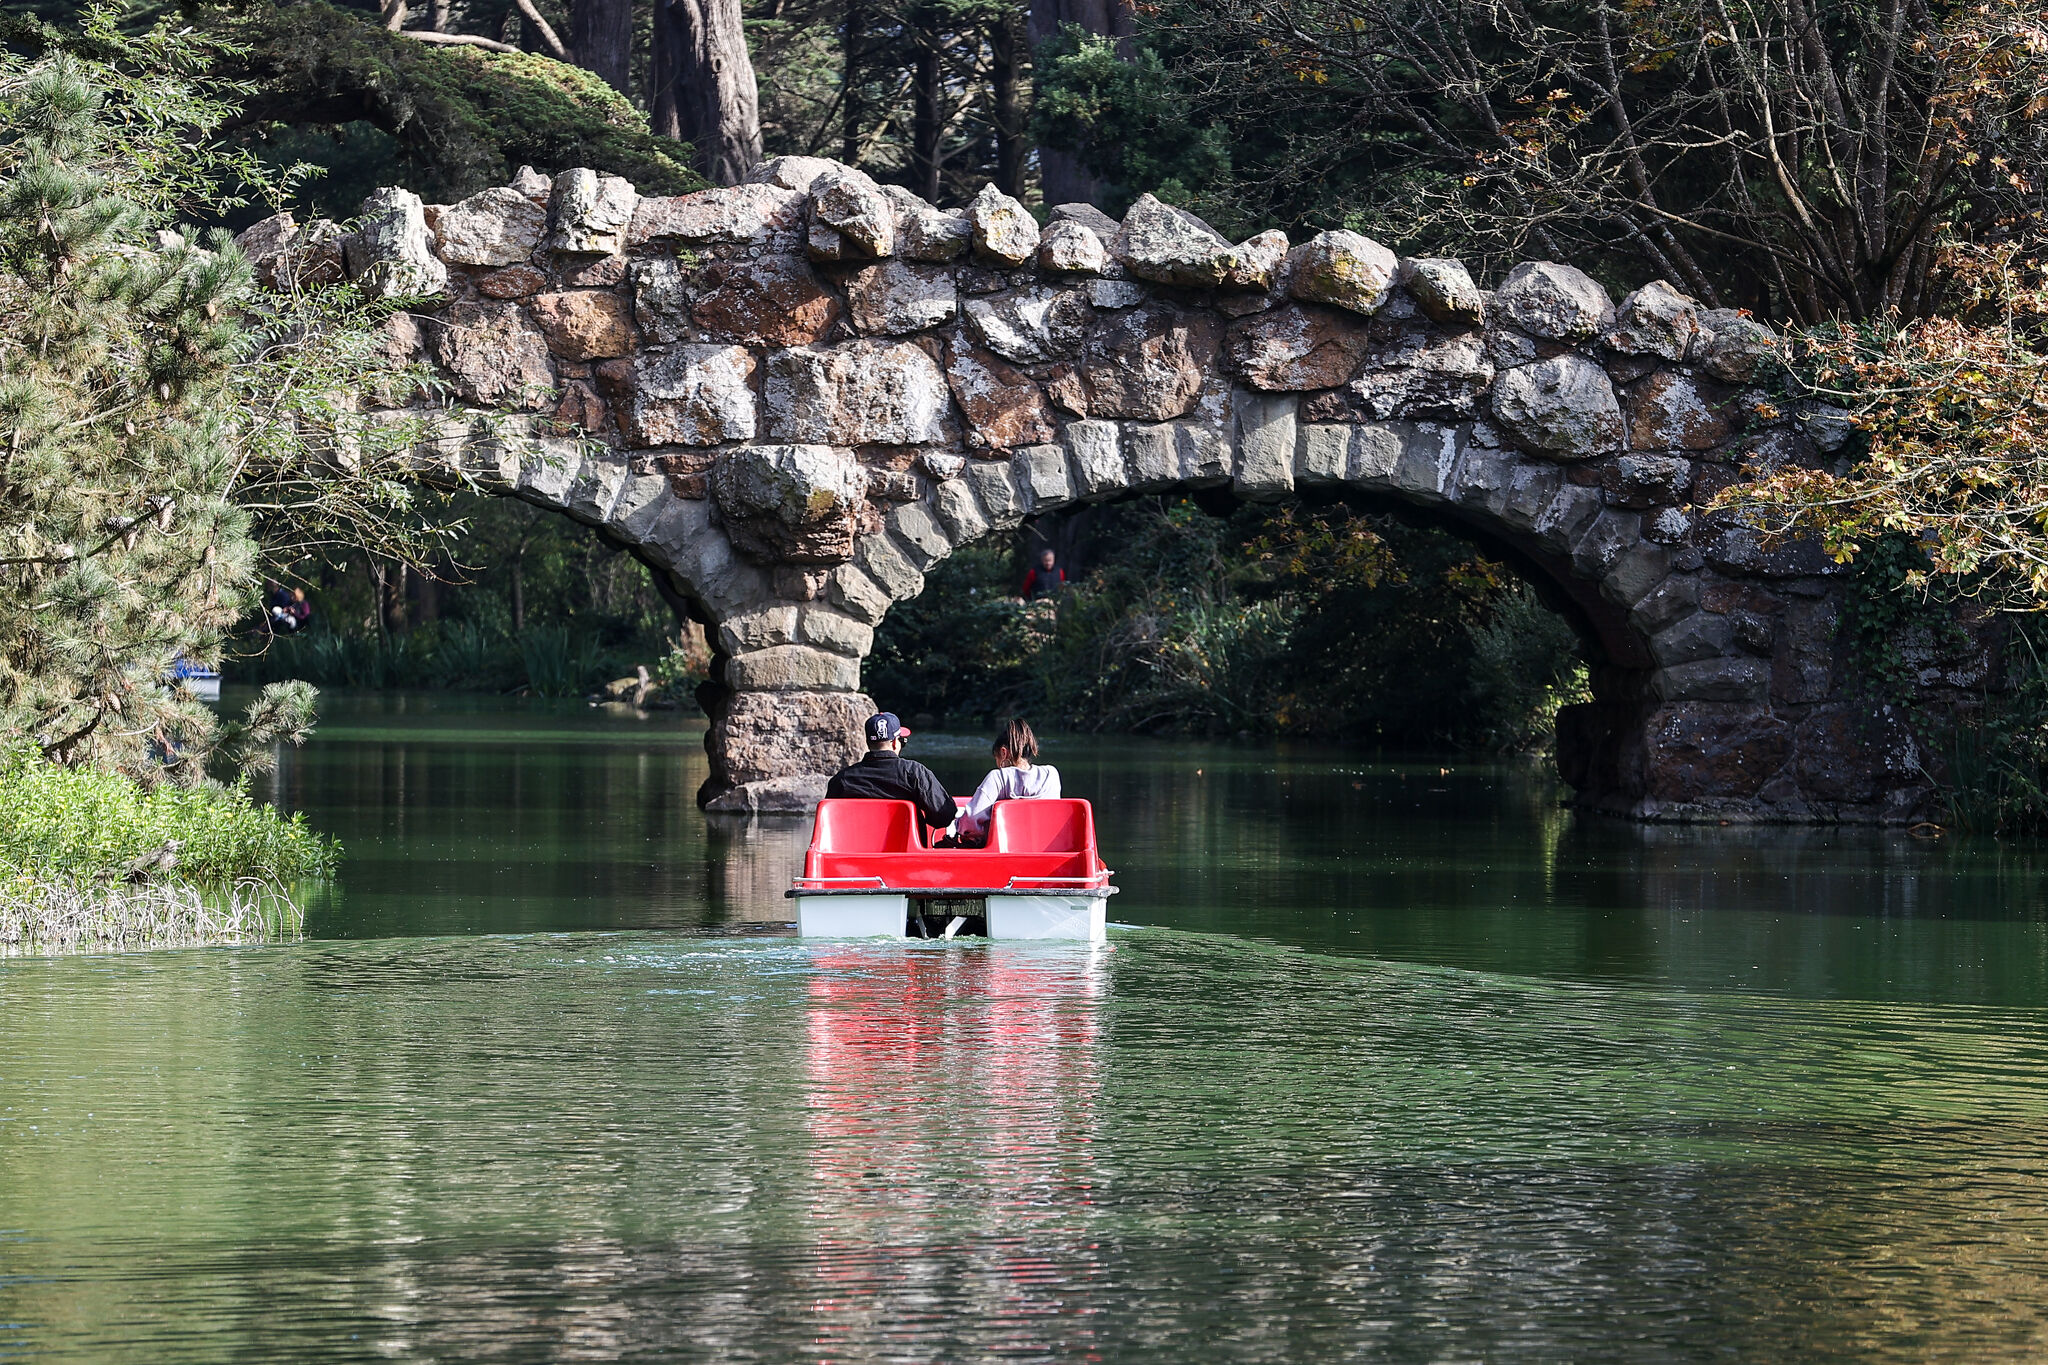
x,y
794,397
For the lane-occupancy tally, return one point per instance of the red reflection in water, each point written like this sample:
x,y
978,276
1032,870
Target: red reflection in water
x,y
952,1110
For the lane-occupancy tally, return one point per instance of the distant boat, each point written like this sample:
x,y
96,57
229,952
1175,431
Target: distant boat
x,y
202,682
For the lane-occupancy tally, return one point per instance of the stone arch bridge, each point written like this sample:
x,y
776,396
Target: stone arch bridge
x,y
806,391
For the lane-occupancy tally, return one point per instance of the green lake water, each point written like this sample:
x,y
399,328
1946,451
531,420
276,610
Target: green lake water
x,y
1390,1061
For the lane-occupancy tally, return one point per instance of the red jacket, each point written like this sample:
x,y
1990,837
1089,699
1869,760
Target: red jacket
x,y
1043,582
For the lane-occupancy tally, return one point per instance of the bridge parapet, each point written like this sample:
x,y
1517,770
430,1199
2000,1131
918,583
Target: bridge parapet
x,y
793,397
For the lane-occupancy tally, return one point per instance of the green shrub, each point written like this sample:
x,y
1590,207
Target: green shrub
x,y
80,826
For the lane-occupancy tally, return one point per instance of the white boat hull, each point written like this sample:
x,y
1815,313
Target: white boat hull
x,y
1034,916
852,916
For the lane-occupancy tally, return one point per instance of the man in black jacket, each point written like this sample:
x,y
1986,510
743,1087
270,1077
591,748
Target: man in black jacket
x,y
887,775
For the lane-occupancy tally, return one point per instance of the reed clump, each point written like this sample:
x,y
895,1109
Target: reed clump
x,y
38,917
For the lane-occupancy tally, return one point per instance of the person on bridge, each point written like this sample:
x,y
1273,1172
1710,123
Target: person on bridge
x,y
886,775
1016,777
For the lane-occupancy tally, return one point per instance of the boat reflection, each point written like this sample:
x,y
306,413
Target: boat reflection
x,y
954,1117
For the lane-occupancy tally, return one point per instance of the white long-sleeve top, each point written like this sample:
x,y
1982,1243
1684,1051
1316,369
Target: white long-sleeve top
x,y
1009,784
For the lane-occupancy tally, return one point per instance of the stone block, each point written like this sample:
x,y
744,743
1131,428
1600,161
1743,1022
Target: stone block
x,y
1343,268
496,227
1428,455
550,469
584,324
796,504
859,595
1531,489
1376,452
388,256
1206,457
1004,406
1569,513
855,212
1563,407
835,631
1553,301
1030,326
596,488
1672,598
1667,411
1004,232
798,794
1610,535
858,393
995,487
1702,635
1267,431
959,511
771,301
1042,477
1167,245
770,736
1297,347
741,215
1147,364
891,569
1734,680
792,668
1098,458
758,630
893,297
641,500
923,539
1151,455
1325,454
495,355
1634,572
689,395
590,213
1655,320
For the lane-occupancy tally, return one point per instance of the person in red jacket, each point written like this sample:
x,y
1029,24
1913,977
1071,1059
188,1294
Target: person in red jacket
x,y
1044,579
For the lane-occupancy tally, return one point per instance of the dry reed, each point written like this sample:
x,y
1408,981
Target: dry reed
x,y
46,917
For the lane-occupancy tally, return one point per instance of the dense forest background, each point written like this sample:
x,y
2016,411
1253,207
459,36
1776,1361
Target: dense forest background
x,y
1623,138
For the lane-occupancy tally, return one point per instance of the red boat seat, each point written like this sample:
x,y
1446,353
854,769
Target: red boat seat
x,y
1042,826
864,825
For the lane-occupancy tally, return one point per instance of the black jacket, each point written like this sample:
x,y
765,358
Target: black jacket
x,y
890,776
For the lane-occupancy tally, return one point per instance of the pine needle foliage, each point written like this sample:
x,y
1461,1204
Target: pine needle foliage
x,y
166,433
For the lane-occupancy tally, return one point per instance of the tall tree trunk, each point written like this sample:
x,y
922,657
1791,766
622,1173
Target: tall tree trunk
x,y
927,121
1011,55
704,86
437,15
601,36
852,109
1062,177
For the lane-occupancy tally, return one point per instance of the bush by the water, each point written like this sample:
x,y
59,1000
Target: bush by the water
x,y
82,827
91,859
1298,621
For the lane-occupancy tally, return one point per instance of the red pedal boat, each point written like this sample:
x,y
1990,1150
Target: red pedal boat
x,y
871,872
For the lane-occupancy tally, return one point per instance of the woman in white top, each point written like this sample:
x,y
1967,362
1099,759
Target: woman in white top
x,y
1014,778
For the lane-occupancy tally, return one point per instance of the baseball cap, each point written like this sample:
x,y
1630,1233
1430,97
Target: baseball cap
x,y
883,727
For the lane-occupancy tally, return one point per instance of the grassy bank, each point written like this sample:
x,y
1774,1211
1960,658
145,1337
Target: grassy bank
x,y
92,860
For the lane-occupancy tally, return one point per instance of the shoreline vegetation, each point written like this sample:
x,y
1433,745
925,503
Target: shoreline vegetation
x,y
93,861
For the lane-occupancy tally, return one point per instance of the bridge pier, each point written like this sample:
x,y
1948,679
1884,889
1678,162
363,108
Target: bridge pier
x,y
792,398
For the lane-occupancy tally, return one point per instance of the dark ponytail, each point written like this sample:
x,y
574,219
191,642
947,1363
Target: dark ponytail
x,y
1016,736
